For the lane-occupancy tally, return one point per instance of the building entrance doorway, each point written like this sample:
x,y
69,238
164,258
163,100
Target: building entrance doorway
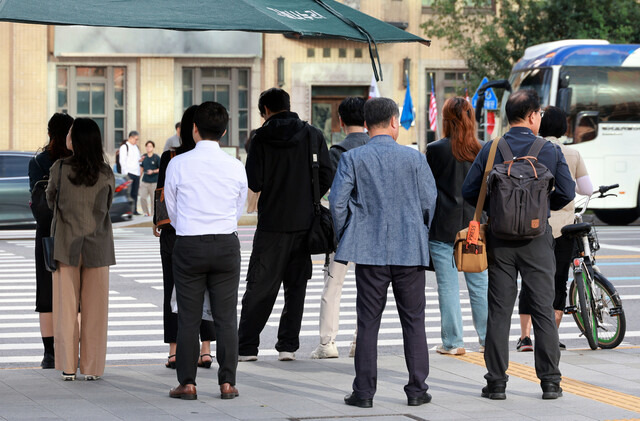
x,y
325,101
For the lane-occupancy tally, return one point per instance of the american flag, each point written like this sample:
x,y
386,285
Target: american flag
x,y
433,110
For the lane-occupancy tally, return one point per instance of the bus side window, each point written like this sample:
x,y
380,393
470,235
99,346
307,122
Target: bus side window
x,y
586,126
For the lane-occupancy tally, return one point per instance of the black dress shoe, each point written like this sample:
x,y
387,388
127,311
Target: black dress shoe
x,y
353,400
184,391
419,400
495,391
49,361
551,390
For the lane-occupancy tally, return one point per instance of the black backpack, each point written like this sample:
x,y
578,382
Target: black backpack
x,y
118,165
519,190
39,207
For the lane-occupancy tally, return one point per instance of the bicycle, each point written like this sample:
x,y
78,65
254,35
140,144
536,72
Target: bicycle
x,y
594,302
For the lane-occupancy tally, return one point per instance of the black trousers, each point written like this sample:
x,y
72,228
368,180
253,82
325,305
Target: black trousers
x,y
201,264
170,319
563,251
277,258
535,261
408,284
135,186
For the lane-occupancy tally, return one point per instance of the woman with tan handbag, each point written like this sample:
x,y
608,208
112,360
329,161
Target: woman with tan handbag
x,y
80,192
450,159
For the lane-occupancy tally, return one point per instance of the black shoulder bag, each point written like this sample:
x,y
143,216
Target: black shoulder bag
x,y
47,242
321,238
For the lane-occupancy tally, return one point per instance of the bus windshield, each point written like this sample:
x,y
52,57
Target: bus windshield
x,y
536,79
610,93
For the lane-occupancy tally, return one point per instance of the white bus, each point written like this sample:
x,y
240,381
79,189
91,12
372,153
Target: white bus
x,y
598,86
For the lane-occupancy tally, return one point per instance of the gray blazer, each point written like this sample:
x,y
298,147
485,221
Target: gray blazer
x,y
81,222
382,201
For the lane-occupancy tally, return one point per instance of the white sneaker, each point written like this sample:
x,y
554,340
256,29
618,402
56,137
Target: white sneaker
x,y
481,349
286,356
68,377
90,377
352,350
453,351
329,350
246,358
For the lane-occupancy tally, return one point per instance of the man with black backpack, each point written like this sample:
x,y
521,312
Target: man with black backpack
x,y
522,187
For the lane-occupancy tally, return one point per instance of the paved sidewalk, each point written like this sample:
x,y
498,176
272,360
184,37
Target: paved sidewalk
x,y
314,390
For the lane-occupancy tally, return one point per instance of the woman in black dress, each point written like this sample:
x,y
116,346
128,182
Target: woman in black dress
x,y
39,167
167,239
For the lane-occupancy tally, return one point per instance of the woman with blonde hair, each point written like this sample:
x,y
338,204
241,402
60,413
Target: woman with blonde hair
x,y
80,192
450,159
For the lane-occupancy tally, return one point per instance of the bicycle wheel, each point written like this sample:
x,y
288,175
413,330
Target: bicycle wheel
x,y
580,296
612,323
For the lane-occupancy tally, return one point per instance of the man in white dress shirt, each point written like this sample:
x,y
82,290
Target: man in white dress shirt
x,y
205,191
130,163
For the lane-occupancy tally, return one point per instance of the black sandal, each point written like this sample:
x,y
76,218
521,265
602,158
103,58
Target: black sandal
x,y
203,363
169,363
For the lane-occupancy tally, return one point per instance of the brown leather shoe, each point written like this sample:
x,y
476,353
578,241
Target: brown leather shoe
x,y
227,391
184,391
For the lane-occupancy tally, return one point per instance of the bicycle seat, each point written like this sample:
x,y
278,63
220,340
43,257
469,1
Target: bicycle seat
x,y
576,230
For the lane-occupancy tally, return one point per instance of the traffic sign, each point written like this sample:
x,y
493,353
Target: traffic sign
x,y
490,99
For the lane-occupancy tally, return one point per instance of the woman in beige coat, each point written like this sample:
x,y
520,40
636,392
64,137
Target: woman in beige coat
x,y
84,251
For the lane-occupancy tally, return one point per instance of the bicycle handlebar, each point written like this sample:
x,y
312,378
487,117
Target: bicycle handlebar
x,y
604,189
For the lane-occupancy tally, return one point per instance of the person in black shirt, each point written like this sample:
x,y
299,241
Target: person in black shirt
x,y
150,168
279,167
533,258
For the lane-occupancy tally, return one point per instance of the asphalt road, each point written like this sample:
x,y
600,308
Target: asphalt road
x,y
135,320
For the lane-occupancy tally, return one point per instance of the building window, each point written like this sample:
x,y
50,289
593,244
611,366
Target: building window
x,y
326,52
357,53
342,52
227,86
311,52
98,93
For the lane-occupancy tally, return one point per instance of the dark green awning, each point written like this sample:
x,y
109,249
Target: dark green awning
x,y
299,18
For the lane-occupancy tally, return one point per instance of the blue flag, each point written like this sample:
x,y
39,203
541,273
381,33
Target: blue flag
x,y
407,109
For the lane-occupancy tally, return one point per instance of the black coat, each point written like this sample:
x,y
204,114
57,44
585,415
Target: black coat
x,y
279,166
452,212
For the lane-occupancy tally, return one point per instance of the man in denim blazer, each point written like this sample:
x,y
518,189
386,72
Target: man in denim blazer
x,y
382,201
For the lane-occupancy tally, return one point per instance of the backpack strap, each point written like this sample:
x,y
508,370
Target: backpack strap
x,y
483,186
505,150
536,147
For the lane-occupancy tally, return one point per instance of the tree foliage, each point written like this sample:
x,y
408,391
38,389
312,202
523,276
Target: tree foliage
x,y
491,41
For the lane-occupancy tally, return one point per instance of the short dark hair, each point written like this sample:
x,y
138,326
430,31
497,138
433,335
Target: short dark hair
x,y
177,125
378,111
133,133
351,111
275,99
211,119
520,104
553,123
152,143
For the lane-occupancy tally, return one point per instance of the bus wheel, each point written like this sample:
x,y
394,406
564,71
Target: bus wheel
x,y
617,216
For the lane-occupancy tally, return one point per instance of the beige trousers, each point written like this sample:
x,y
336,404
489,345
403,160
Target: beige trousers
x,y
146,195
330,302
87,289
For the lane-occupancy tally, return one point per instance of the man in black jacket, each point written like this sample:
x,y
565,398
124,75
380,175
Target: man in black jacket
x,y
279,166
533,258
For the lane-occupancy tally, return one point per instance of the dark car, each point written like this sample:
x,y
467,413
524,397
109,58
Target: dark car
x,y
15,196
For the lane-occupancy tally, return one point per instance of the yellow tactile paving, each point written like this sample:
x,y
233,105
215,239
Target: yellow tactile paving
x,y
576,387
618,256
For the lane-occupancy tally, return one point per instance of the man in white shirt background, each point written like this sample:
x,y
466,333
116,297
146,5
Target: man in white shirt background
x,y
205,191
130,163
